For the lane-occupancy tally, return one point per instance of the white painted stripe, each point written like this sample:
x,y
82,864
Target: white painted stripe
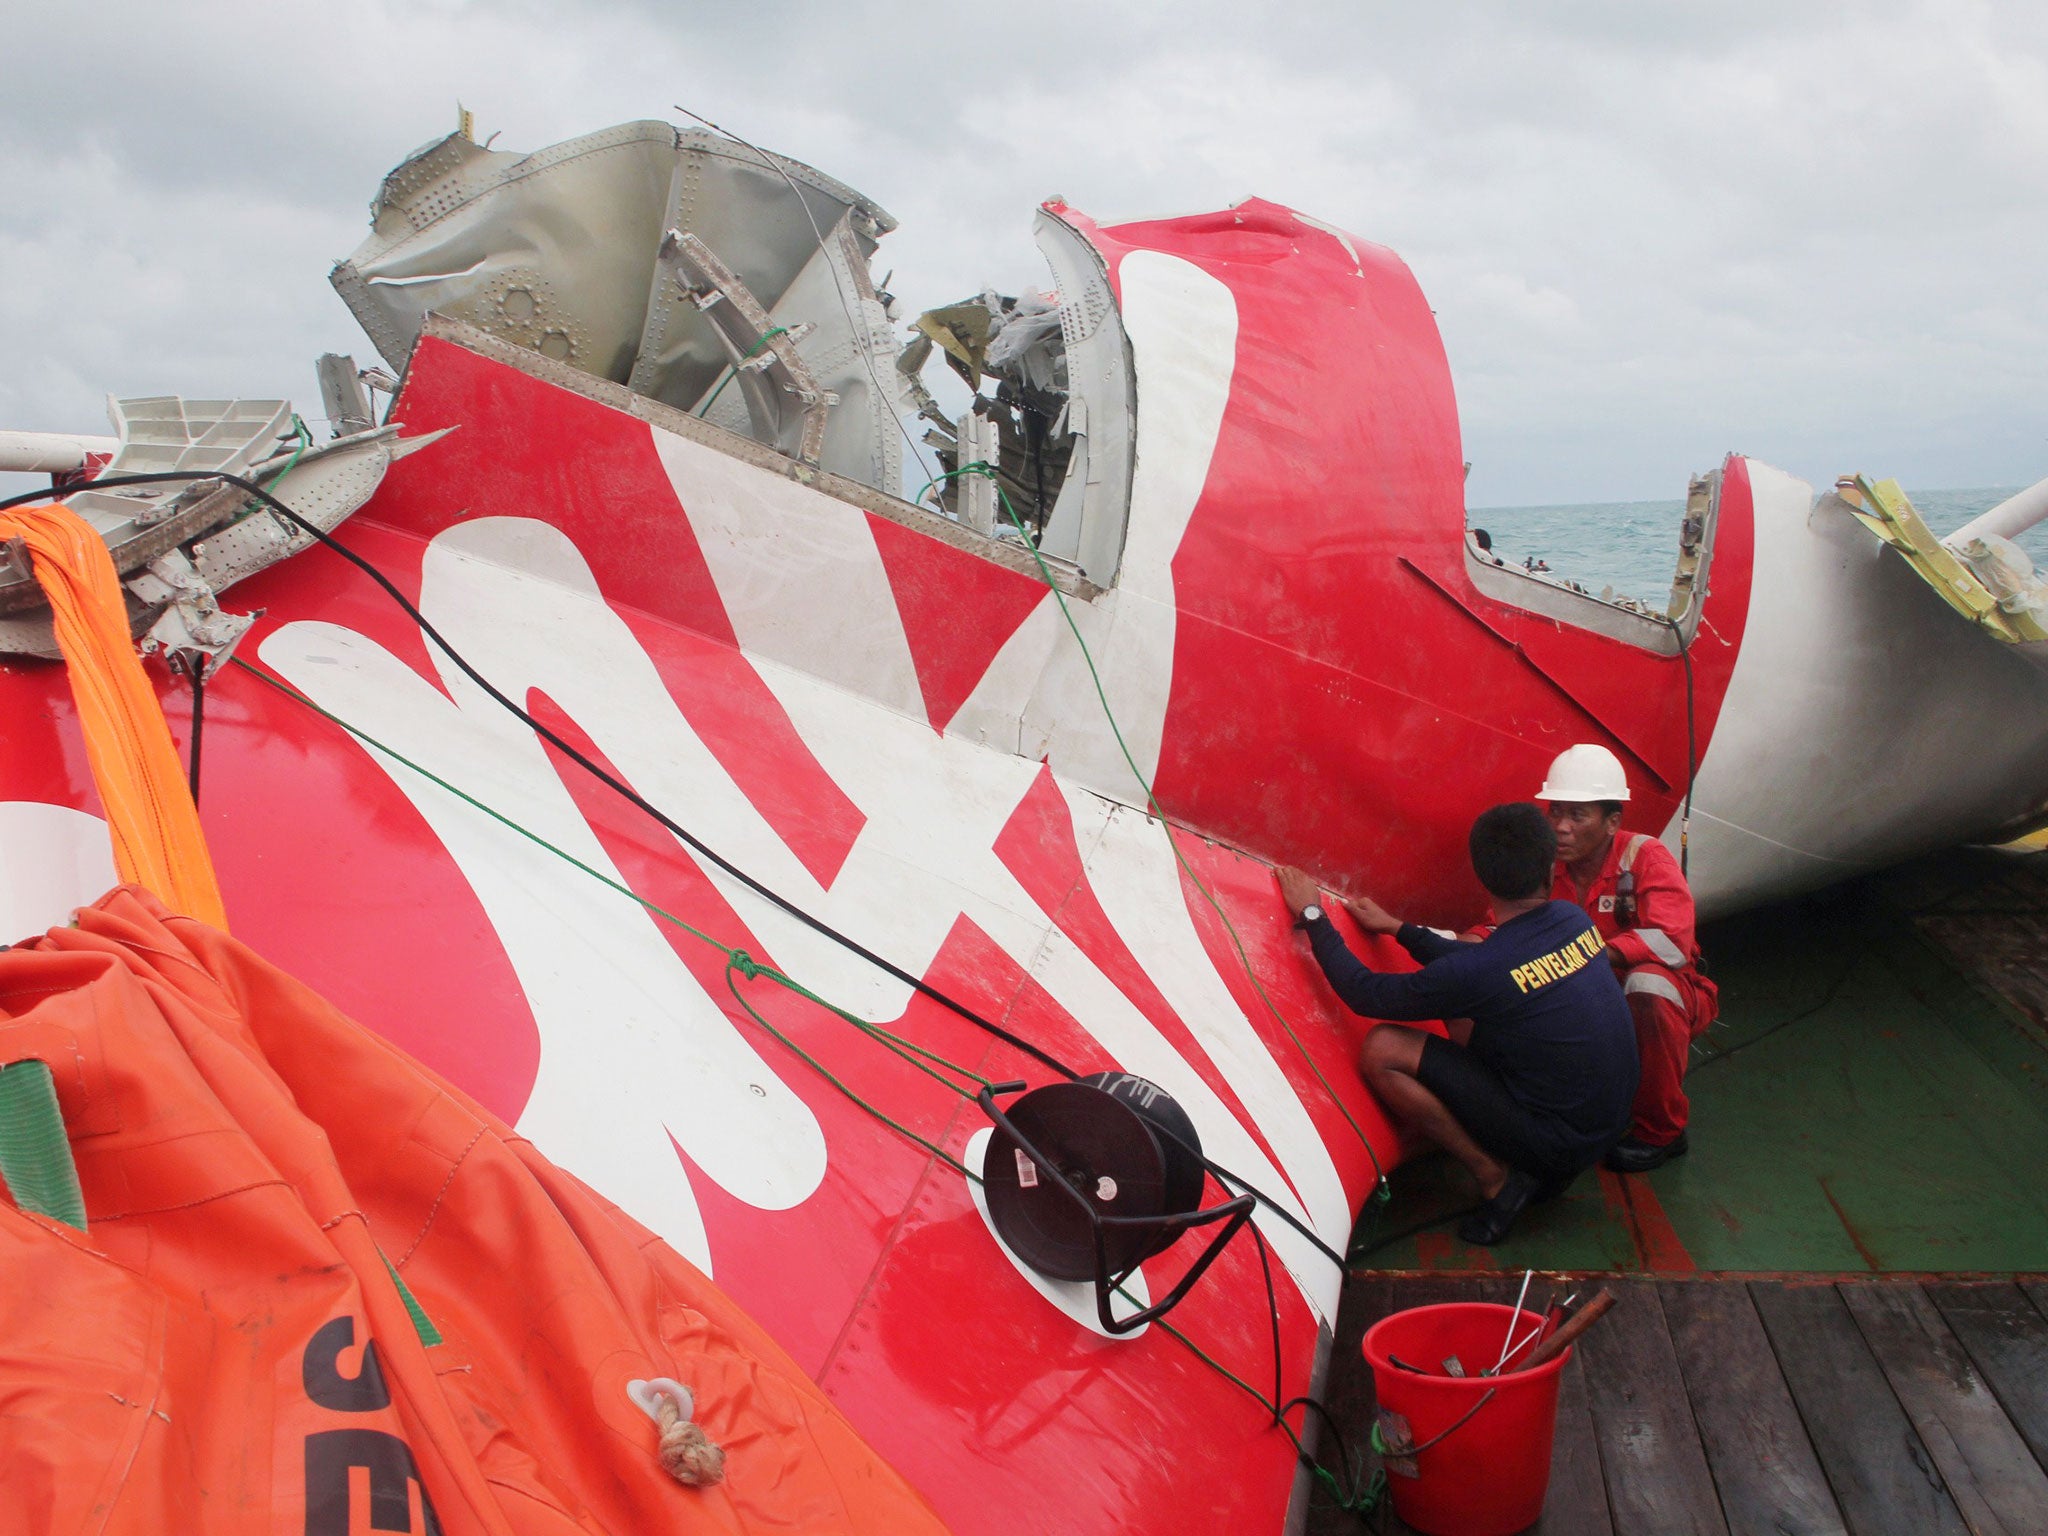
x,y
52,859
1037,699
1659,944
1137,879
798,572
623,1023
1182,325
936,806
648,1044
1653,984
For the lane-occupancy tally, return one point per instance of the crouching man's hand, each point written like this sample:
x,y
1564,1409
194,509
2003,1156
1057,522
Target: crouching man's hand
x,y
1297,889
1371,916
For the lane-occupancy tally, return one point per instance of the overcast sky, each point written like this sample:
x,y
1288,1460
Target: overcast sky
x,y
1651,232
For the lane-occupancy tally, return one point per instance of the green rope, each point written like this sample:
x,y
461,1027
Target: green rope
x,y
733,370
911,1045
1360,1502
421,1323
305,437
819,1067
740,964
909,1050
304,434
737,960
1381,1190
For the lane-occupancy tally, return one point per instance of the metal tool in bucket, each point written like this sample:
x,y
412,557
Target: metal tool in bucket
x,y
1469,1455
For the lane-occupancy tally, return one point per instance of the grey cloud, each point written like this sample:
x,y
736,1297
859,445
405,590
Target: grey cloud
x,y
1651,232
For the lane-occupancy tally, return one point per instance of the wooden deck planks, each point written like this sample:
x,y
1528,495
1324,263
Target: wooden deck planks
x,y
2008,1342
1347,1394
1882,1476
1430,1291
1764,1467
2036,1291
1991,1474
1650,1454
1577,1502
1771,1407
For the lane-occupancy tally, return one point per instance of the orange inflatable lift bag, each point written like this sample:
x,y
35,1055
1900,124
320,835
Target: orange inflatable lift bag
x,y
150,814
320,1291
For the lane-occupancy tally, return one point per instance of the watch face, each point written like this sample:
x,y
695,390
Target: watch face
x,y
1311,913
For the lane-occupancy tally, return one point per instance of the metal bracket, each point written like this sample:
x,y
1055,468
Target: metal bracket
x,y
751,336
343,393
760,360
975,501
193,628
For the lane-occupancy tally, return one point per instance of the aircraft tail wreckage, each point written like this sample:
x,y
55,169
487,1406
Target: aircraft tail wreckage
x,y
761,784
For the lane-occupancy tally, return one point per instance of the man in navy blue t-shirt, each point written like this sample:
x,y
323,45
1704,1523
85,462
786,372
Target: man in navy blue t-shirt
x,y
1538,1078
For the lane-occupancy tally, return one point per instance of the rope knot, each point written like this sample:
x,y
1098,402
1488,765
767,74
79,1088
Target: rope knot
x,y
687,1453
745,964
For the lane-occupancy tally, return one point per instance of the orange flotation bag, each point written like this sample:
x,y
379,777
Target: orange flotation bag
x,y
320,1291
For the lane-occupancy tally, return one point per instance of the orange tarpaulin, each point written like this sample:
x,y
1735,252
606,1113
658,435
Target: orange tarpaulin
x,y
229,1349
155,826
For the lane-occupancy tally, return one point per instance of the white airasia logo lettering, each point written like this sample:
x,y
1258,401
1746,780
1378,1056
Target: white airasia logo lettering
x,y
620,1071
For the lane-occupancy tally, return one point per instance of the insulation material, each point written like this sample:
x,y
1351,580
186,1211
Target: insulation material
x,y
1027,346
2008,573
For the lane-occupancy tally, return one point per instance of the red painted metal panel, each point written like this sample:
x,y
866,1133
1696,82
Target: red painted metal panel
x,y
1328,706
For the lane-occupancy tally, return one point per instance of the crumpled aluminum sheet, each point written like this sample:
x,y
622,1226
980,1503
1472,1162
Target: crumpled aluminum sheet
x,y
555,251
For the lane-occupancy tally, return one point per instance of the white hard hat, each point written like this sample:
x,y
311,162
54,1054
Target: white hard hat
x,y
1585,772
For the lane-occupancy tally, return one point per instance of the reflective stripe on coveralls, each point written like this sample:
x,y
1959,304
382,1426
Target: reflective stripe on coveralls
x,y
1655,984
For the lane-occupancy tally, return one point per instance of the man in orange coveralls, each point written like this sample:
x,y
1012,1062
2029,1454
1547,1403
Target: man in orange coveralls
x,y
1630,885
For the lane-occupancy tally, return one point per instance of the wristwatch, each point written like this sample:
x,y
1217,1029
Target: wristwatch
x,y
1309,914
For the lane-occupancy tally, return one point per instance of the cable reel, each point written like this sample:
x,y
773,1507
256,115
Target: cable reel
x,y
1085,1180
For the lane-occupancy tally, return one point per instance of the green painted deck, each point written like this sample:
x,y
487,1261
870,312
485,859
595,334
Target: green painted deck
x,y
1875,1098
1832,1318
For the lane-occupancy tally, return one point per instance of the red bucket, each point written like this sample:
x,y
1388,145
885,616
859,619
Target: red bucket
x,y
1488,1475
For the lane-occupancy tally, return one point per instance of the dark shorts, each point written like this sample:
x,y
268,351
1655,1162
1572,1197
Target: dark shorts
x,y
1479,1101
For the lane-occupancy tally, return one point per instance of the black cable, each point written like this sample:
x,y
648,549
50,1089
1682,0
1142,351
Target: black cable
x,y
1226,1178
198,724
1348,1499
1708,1058
1412,1230
634,798
1329,1418
1272,1312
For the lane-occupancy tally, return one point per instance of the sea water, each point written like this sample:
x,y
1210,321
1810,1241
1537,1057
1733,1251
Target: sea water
x,y
1632,546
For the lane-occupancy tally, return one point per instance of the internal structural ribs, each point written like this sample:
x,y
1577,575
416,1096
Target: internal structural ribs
x,y
737,285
